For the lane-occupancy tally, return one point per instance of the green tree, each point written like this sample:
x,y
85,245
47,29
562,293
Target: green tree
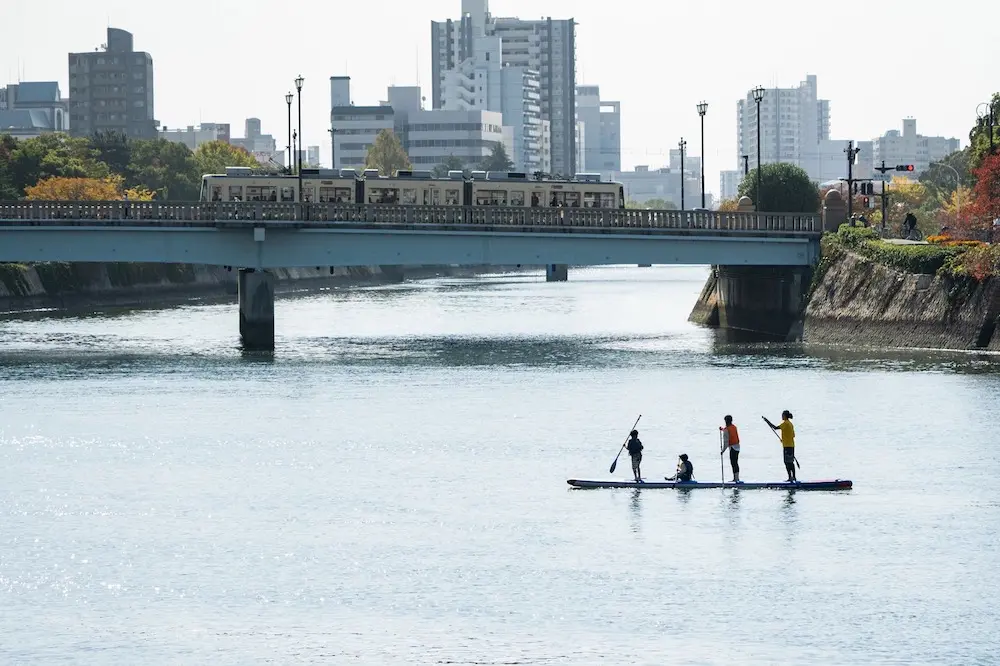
x,y
113,148
213,157
784,188
8,190
940,180
498,159
165,167
452,163
979,137
387,154
53,155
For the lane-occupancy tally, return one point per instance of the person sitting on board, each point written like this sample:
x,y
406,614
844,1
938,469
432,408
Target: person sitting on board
x,y
731,441
787,431
685,470
635,451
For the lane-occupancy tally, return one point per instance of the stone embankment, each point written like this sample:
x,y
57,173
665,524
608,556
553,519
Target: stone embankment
x,y
59,285
858,301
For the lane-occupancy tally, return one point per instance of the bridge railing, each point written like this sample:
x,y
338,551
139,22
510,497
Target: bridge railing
x,y
131,213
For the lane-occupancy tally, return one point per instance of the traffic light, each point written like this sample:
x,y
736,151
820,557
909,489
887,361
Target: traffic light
x,y
904,167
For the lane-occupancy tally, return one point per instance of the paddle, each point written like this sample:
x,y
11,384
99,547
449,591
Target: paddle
x,y
722,450
615,463
774,430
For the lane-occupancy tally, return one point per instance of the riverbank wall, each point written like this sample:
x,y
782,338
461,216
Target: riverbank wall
x,y
71,285
857,300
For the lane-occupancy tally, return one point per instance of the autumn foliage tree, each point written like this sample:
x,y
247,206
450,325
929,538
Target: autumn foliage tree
x,y
986,195
387,154
61,188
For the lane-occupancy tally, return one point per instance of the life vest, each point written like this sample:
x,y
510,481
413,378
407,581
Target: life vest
x,y
734,437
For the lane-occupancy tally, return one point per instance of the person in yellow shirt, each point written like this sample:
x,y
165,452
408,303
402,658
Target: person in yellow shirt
x,y
787,431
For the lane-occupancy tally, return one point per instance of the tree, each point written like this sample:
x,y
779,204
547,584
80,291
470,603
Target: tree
x,y
52,155
60,188
215,156
498,159
166,167
452,163
387,154
729,205
940,180
785,188
979,136
659,204
8,190
986,206
113,148
907,196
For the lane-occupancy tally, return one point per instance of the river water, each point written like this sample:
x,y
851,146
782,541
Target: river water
x,y
390,486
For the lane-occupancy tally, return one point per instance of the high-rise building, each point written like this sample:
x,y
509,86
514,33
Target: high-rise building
x,y
792,122
354,127
545,46
602,123
261,146
909,147
729,183
193,137
111,89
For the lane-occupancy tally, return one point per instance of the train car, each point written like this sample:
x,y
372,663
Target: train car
x,y
412,188
517,190
318,185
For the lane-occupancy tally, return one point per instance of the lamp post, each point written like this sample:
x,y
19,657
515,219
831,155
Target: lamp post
x,y
682,145
958,184
702,109
298,87
758,97
288,100
333,146
988,117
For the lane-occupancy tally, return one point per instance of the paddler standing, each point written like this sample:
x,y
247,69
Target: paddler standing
x,y
787,431
635,452
731,441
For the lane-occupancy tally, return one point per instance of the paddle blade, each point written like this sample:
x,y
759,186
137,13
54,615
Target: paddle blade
x,y
613,466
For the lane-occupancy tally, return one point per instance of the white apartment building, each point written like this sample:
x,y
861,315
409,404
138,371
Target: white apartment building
x,y
792,122
480,82
601,131
354,127
432,136
644,184
545,46
192,136
261,146
909,147
312,156
729,183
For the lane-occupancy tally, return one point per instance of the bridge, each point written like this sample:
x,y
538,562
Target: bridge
x,y
256,236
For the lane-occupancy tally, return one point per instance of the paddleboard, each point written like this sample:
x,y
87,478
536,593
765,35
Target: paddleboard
x,y
832,484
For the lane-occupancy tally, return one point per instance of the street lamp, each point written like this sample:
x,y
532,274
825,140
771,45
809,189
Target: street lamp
x,y
683,144
958,184
987,115
288,100
298,87
758,97
702,109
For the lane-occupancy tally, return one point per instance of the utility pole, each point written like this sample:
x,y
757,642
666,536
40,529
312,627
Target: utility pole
x,y
333,146
852,154
682,145
884,194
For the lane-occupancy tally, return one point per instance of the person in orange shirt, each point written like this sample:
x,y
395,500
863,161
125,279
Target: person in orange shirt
x,y
731,441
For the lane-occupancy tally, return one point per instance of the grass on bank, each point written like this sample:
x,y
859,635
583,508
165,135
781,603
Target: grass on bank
x,y
941,256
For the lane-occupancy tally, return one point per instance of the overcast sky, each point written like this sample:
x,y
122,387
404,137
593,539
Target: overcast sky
x,y
224,60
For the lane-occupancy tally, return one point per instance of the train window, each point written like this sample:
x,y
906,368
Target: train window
x,y
432,197
608,200
308,194
536,199
335,195
409,197
452,197
216,192
255,193
288,194
383,195
491,198
235,192
566,199
591,200
517,198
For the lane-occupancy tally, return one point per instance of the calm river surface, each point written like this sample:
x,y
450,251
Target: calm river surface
x,y
390,487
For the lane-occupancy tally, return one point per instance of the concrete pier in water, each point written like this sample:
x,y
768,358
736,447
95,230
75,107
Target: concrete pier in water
x,y
556,272
256,294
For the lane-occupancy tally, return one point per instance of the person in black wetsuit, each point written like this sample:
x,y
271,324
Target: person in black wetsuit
x,y
685,470
635,452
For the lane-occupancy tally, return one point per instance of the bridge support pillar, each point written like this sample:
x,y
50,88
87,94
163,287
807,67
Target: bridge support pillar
x,y
256,293
766,300
556,272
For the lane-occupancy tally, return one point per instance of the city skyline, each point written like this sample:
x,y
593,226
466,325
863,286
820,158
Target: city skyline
x,y
215,82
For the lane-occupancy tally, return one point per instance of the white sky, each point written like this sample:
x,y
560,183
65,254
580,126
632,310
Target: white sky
x,y
224,60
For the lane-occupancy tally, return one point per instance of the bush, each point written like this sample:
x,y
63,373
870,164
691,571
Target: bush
x,y
978,262
925,259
